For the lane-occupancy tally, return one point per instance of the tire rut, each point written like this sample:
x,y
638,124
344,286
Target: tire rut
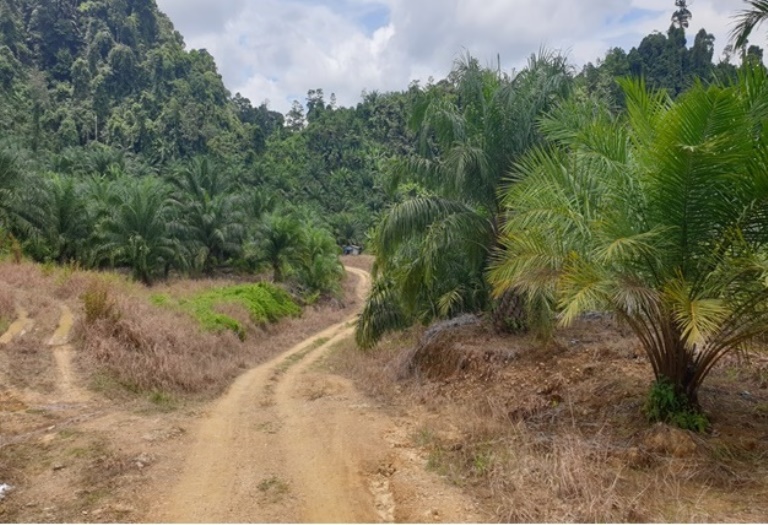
x,y
18,328
291,443
63,354
238,458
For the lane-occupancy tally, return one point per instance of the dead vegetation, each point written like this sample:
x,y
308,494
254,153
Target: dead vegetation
x,y
30,365
126,344
555,432
146,350
7,307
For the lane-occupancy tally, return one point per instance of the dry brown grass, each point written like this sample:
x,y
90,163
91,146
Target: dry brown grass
x,y
7,308
378,371
29,364
21,275
148,349
123,342
555,433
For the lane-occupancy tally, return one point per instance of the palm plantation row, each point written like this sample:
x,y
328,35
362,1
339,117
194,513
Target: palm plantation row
x,y
193,221
539,202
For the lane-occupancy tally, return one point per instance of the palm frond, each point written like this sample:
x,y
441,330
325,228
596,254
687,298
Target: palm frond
x,y
413,217
382,313
747,20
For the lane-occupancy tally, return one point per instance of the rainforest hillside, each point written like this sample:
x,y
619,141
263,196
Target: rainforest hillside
x,y
103,105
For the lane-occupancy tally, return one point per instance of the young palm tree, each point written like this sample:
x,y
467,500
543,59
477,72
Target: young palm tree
x,y
210,220
136,234
748,20
57,219
432,250
659,217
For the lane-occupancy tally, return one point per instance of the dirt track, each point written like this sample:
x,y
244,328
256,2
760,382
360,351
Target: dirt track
x,y
290,443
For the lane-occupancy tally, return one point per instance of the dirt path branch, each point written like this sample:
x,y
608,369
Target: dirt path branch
x,y
292,443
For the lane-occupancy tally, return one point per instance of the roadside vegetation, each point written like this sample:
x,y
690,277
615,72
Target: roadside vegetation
x,y
263,303
645,200
189,341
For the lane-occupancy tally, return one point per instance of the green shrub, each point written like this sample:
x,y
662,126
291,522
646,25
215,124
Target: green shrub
x,y
665,405
264,302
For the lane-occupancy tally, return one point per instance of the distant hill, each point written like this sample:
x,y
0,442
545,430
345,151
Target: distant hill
x,y
115,71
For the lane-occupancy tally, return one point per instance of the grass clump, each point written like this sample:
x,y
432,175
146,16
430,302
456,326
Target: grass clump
x,y
98,304
264,302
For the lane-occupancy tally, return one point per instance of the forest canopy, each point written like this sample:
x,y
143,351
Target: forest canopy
x,y
123,148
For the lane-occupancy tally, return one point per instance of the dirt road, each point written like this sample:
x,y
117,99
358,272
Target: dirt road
x,y
291,443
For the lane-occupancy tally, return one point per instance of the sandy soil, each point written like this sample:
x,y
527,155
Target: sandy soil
x,y
289,443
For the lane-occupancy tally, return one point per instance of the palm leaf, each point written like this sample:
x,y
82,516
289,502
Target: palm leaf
x,y
747,20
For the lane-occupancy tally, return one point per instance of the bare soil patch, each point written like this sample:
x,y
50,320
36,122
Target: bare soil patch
x,y
555,432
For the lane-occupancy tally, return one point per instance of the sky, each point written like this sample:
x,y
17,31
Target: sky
x,y
277,50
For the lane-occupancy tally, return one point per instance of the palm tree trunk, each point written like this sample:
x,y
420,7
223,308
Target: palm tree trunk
x,y
677,365
509,313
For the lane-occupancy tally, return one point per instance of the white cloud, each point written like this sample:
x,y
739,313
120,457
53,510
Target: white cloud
x,y
278,49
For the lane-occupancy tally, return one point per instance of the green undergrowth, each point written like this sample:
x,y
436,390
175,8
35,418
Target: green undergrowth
x,y
264,302
665,405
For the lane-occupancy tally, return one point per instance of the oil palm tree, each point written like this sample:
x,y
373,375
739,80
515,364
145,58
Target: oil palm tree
x,y
432,250
57,219
659,216
11,184
748,20
277,242
317,263
137,235
210,220
10,178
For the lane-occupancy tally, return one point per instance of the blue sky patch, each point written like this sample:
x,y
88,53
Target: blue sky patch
x,y
373,18
635,15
